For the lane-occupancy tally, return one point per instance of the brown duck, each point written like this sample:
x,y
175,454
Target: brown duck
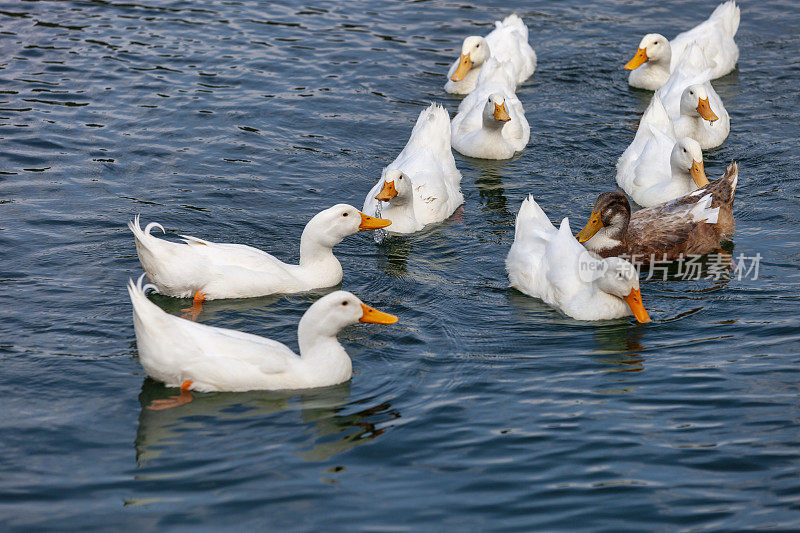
x,y
693,224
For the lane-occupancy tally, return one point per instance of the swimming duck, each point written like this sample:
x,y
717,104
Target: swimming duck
x,y
692,104
207,270
491,123
422,185
193,356
650,180
701,116
507,42
694,224
548,263
657,57
655,166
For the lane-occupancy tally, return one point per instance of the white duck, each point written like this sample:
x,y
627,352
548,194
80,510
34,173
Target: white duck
x,y
422,185
657,57
701,116
507,42
197,357
651,181
692,103
655,167
491,123
548,263
209,270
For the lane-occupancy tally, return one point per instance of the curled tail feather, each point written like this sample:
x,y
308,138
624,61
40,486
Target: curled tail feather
x,y
148,228
140,235
138,291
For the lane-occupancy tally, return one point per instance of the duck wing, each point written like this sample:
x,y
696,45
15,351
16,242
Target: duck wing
x,y
533,232
649,151
715,36
171,345
564,257
509,42
681,226
236,255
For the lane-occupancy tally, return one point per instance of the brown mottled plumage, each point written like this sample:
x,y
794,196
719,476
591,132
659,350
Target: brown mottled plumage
x,y
669,230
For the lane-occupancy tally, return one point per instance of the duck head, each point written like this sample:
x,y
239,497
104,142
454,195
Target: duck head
x,y
653,48
694,103
686,161
495,112
334,312
621,279
327,228
474,51
609,219
396,188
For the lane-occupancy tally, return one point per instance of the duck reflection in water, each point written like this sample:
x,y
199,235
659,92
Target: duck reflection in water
x,y
394,259
492,196
163,429
620,346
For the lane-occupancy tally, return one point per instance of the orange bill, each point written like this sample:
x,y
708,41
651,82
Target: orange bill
x,y
464,66
593,226
501,113
698,173
638,60
388,192
373,316
368,223
634,301
704,109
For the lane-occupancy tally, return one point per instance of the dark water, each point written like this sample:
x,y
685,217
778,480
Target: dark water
x,y
481,409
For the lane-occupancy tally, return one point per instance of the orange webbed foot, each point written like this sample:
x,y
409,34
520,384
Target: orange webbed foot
x,y
175,401
191,313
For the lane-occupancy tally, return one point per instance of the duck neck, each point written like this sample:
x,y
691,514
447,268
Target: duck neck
x,y
314,251
405,201
682,176
492,126
322,349
607,238
652,75
689,125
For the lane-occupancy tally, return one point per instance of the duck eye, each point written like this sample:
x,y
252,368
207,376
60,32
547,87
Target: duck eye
x,y
345,214
344,302
401,177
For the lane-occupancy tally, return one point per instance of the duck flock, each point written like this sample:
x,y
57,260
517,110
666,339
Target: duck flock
x,y
591,276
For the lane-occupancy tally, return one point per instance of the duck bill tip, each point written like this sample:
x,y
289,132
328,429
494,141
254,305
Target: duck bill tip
x,y
370,223
370,315
698,173
501,113
639,59
594,225
705,111
388,192
464,66
634,301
